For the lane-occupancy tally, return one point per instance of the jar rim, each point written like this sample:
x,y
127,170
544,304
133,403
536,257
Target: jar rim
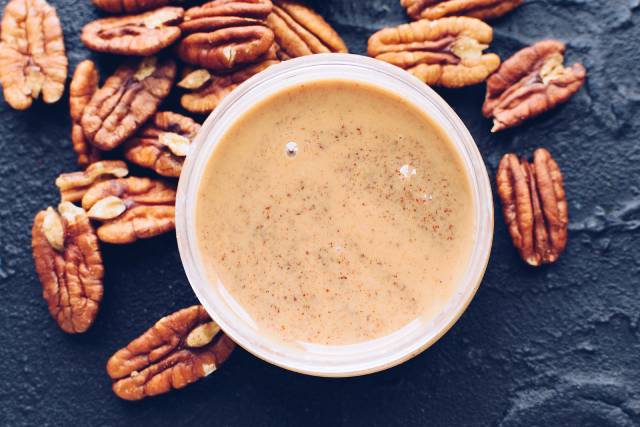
x,y
370,356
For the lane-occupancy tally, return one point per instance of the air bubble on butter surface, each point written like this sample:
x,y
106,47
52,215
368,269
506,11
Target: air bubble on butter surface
x,y
291,148
407,171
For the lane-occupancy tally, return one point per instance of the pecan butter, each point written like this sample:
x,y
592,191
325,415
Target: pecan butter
x,y
335,212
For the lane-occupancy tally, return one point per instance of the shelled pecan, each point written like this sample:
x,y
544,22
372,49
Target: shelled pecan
x,y
74,185
83,85
163,144
446,52
69,265
178,350
142,35
530,83
481,9
534,205
223,13
131,208
206,97
224,35
32,55
131,6
300,31
126,101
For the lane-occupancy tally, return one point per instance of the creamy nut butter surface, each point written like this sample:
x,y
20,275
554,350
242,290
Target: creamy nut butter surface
x,y
335,212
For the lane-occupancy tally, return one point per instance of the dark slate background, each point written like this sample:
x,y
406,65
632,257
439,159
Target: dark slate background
x,y
559,345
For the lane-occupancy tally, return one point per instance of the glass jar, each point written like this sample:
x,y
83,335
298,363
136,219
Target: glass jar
x,y
346,360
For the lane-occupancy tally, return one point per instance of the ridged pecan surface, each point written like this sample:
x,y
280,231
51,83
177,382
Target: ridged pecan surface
x,y
74,185
301,31
126,101
224,35
163,144
178,350
445,52
131,6
206,97
69,265
83,85
141,35
481,9
534,205
131,208
32,56
530,83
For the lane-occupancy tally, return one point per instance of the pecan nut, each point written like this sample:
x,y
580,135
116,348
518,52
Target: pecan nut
x,y
178,350
130,6
142,35
481,9
144,208
69,265
207,96
445,52
32,55
163,144
300,31
223,35
74,185
226,13
126,101
83,85
530,83
139,222
534,205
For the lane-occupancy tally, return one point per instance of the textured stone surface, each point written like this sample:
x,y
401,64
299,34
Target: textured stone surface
x,y
555,346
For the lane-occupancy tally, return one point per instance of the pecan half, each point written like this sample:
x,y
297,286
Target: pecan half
x,y
83,85
207,97
226,34
74,185
131,6
300,31
69,265
142,35
131,208
32,55
534,205
530,83
163,144
224,13
178,350
446,52
481,9
126,101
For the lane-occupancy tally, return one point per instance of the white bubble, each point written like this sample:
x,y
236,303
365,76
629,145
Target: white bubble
x,y
291,148
406,171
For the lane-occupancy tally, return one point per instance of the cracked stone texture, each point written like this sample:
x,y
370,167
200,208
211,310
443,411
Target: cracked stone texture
x,y
559,345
